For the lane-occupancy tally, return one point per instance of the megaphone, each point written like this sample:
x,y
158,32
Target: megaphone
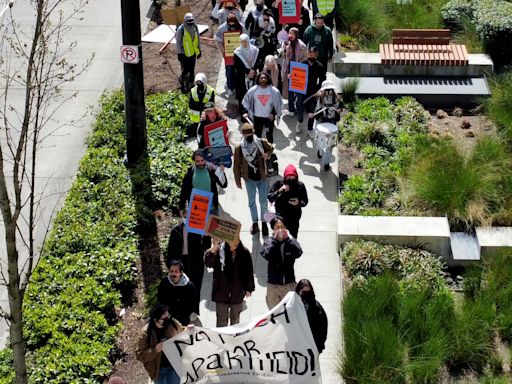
x,y
259,42
282,36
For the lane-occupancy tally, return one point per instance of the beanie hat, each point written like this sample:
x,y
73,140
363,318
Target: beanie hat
x,y
290,170
247,128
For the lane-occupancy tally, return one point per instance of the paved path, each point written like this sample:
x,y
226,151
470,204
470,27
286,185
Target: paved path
x,y
317,235
98,32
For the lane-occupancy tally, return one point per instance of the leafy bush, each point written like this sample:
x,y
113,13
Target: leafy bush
x,y
471,190
88,261
417,269
6,364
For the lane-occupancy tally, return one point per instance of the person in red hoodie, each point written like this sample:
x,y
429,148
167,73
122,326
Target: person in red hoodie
x,y
289,196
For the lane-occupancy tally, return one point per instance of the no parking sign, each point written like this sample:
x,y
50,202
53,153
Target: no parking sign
x,y
130,54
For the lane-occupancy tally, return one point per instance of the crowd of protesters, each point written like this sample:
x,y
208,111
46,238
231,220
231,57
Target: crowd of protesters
x,y
257,74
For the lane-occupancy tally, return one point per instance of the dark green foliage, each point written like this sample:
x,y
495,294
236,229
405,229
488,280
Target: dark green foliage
x,y
497,107
88,261
386,135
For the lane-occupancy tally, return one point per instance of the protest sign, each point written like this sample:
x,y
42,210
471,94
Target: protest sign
x,y
298,77
216,134
219,155
276,347
227,230
198,210
231,42
289,11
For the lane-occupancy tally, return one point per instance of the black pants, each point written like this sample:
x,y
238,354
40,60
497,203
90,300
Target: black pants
x,y
264,122
188,65
193,266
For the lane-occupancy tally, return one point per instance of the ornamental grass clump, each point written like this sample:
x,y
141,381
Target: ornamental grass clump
x,y
497,107
473,189
373,352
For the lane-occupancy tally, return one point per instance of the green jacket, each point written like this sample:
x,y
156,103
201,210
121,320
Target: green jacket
x,y
321,39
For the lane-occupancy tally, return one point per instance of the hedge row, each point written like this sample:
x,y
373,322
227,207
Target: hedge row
x,y
493,22
88,260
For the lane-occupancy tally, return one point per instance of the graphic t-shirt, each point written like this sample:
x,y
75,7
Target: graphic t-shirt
x,y
263,101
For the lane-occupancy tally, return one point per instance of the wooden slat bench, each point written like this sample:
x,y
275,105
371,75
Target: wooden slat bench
x,y
423,47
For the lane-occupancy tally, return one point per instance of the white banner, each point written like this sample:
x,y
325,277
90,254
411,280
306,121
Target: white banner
x,y
276,347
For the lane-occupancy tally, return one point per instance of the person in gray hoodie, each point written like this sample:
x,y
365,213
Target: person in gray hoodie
x,y
188,46
179,294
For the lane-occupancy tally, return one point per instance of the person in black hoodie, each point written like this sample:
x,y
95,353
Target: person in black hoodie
x,y
316,315
289,196
232,279
280,250
179,294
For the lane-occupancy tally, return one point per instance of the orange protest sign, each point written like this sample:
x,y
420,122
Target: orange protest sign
x,y
298,77
198,211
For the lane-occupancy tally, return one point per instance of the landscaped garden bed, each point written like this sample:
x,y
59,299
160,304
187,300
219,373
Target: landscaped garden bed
x,y
402,324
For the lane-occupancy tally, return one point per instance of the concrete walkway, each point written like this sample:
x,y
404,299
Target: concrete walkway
x,y
317,234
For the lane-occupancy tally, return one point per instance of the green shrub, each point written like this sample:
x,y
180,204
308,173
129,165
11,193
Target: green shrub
x,y
373,352
470,190
455,11
6,363
349,89
497,107
416,269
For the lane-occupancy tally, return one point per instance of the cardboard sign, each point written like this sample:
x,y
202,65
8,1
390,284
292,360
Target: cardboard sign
x,y
231,42
298,77
276,347
224,229
174,16
199,207
216,134
219,155
289,11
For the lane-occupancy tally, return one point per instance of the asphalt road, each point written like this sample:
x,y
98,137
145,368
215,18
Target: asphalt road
x,y
98,32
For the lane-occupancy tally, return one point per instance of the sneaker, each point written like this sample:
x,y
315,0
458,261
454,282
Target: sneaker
x,y
264,229
254,229
291,114
231,92
298,127
311,134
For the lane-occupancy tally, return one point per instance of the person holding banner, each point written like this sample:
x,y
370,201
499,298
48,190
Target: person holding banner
x,y
233,279
249,163
204,177
177,292
264,106
246,59
227,38
188,46
280,250
149,347
210,115
317,318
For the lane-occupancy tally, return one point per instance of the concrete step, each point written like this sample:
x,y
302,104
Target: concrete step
x,y
432,92
464,247
412,231
368,64
493,239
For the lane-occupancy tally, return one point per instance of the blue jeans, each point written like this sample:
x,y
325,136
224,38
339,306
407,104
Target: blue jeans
x,y
296,105
230,76
262,187
167,375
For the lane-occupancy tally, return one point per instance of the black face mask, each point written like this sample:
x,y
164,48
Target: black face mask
x,y
259,7
232,26
290,182
311,60
200,86
308,297
190,22
230,8
249,138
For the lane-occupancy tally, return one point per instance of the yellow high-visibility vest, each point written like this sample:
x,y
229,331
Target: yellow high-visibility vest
x,y
325,6
195,116
191,47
